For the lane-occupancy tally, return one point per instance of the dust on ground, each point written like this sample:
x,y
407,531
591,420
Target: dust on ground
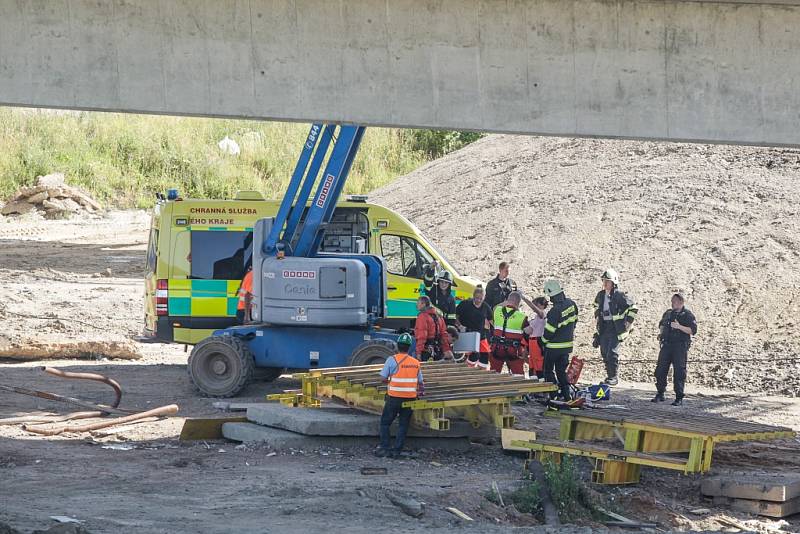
x,y
84,277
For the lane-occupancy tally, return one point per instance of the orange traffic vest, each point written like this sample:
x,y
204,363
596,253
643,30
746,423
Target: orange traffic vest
x,y
403,383
245,288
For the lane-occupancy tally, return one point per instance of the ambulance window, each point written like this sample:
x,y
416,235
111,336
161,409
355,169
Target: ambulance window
x,y
220,255
404,256
152,247
390,249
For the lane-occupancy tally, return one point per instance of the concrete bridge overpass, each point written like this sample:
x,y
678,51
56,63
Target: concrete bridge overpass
x,y
661,69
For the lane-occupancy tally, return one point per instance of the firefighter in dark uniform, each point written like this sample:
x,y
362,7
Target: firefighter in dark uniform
x,y
559,336
437,286
615,313
677,326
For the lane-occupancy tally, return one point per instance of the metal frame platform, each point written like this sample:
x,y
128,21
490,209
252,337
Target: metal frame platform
x,y
647,437
452,391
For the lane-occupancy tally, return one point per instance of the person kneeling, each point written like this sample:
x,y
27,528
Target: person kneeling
x,y
403,373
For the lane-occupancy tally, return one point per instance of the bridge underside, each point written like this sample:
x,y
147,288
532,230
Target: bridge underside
x,y
660,69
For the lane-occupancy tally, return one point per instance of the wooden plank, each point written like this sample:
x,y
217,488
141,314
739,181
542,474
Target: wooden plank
x,y
197,428
507,435
765,508
774,488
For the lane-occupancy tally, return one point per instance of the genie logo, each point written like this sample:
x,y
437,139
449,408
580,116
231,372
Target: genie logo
x,y
326,189
305,275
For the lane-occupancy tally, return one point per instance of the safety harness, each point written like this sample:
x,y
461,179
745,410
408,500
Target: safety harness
x,y
432,345
503,341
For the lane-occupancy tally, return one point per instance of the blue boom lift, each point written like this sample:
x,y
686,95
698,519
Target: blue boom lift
x,y
310,309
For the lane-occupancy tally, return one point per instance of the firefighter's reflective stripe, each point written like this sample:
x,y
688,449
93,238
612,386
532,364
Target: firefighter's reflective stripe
x,y
514,331
567,321
568,311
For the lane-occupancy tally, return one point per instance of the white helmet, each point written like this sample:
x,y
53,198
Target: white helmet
x,y
552,288
611,274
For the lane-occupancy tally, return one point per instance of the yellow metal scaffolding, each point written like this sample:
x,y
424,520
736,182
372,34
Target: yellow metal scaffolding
x,y
650,437
453,391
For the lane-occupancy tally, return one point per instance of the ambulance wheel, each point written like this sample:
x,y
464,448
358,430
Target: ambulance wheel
x,y
373,352
221,366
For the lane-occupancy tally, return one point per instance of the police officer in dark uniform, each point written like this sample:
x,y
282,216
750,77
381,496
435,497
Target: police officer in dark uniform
x,y
500,287
677,326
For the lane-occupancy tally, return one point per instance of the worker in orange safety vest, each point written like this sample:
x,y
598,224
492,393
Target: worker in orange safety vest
x,y
402,372
245,298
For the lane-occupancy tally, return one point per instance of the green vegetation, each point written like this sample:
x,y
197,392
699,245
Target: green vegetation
x,y
123,160
527,499
437,143
568,492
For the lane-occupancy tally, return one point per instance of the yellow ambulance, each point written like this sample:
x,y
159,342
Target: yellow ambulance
x,y
198,252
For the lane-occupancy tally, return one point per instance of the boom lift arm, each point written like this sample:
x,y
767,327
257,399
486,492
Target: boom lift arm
x,y
287,221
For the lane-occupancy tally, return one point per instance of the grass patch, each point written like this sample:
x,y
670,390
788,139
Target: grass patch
x,y
569,494
123,160
527,499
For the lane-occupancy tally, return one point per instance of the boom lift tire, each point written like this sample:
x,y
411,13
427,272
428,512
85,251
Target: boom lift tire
x,y
221,366
373,352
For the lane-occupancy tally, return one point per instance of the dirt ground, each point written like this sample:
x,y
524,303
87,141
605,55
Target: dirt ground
x,y
83,277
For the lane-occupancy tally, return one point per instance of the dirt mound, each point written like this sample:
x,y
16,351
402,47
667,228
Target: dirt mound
x,y
717,222
51,197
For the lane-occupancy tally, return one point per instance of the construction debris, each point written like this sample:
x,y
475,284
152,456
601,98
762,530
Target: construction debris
x,y
458,513
99,410
32,350
88,376
155,412
51,197
497,493
374,471
767,495
200,428
408,505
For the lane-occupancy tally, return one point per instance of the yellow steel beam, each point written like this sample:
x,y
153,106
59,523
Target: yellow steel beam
x,y
588,451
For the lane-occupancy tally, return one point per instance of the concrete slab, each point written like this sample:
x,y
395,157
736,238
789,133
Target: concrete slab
x,y
342,421
283,439
765,508
772,487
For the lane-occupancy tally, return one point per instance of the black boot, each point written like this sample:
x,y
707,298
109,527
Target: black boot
x,y
678,402
658,398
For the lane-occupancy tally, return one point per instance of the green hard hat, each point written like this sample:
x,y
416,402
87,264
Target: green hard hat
x,y
404,339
